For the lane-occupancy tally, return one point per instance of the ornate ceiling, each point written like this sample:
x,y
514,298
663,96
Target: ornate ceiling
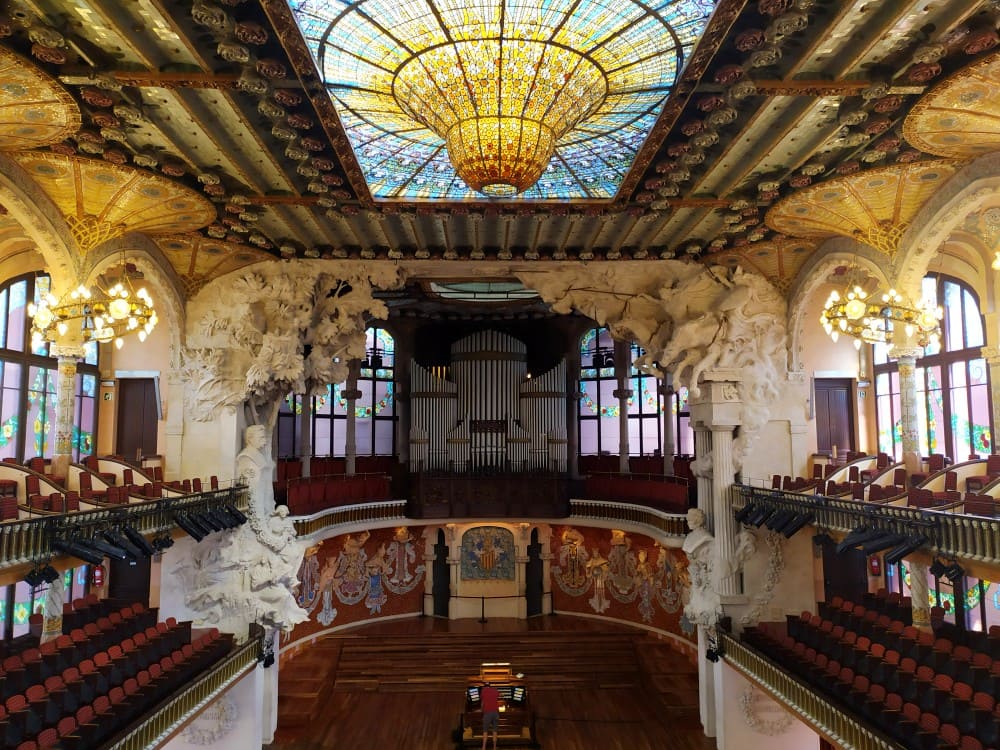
x,y
777,99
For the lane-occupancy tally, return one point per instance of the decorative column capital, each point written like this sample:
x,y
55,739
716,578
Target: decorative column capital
x,y
622,394
910,353
67,351
992,355
351,395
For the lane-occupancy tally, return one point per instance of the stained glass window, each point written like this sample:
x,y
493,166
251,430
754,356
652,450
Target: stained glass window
x,y
952,382
28,377
369,52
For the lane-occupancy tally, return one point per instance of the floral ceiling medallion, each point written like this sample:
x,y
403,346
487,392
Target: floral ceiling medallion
x,y
875,206
101,201
35,110
960,117
526,99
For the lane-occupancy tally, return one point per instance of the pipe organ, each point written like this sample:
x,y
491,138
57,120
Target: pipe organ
x,y
490,415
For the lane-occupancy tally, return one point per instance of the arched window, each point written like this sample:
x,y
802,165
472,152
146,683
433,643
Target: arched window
x,y
645,409
374,410
953,392
28,378
599,431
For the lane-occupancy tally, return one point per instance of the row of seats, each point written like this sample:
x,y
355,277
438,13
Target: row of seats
x,y
95,704
309,495
858,655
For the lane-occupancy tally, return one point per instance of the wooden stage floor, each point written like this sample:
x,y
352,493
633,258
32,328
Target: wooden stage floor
x,y
396,685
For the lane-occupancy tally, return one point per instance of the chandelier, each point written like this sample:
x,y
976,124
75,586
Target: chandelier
x,y
500,105
878,319
102,315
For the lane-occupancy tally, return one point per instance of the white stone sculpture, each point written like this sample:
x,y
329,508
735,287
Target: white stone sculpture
x,y
282,328
706,568
255,467
246,575
690,319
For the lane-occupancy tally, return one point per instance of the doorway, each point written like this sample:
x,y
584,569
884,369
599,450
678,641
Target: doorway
x,y
533,583
834,415
138,413
441,586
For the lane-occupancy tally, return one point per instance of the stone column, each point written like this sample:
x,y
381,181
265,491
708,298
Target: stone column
x,y
908,414
351,394
992,355
455,611
521,568
623,393
919,594
174,432
402,356
719,408
706,684
67,355
702,448
669,423
573,413
55,597
305,433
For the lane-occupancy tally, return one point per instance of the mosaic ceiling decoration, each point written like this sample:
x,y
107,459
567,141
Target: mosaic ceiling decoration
x,y
959,118
35,110
874,207
416,86
100,200
777,260
197,260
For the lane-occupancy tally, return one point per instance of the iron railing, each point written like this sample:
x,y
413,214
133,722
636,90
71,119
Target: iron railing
x,y
837,725
658,522
29,539
173,713
953,535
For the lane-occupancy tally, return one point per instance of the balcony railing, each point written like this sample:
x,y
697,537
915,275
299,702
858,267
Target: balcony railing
x,y
657,522
838,726
376,513
173,713
949,534
29,539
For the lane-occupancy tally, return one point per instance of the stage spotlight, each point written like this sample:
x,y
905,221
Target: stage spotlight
x,y
49,574
797,523
779,519
108,549
760,515
954,572
883,542
34,578
911,545
712,655
138,540
113,537
236,513
743,513
161,542
196,520
195,531
938,568
73,549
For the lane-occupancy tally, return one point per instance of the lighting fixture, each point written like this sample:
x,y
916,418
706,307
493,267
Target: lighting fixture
x,y
907,547
938,568
102,315
879,319
954,572
503,86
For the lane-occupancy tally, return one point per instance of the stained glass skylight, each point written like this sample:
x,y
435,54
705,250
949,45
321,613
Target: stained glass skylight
x,y
618,59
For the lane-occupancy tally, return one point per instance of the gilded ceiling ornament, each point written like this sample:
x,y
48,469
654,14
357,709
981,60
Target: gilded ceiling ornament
x,y
249,32
129,114
722,117
929,53
233,52
981,40
52,55
743,89
729,74
790,23
765,56
923,72
749,40
272,69
46,36
287,97
297,153
705,139
813,169
270,110
251,83
35,110
209,15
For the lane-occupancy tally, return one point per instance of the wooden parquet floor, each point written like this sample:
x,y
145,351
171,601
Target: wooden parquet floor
x,y
401,685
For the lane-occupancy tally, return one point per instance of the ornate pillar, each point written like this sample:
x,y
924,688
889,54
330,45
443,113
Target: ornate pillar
x,y
351,394
305,434
573,413
401,387
454,568
908,414
669,423
919,594
719,408
623,393
55,597
992,355
68,355
702,449
521,568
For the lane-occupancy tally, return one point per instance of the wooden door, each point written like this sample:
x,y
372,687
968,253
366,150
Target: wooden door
x,y
128,581
137,417
533,583
441,586
834,415
844,575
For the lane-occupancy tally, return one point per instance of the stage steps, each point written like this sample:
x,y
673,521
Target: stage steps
x,y
550,660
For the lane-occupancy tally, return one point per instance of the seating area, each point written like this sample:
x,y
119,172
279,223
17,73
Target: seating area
x,y
923,689
111,665
666,493
308,495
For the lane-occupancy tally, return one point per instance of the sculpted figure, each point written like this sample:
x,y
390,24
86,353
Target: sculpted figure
x,y
706,568
256,468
